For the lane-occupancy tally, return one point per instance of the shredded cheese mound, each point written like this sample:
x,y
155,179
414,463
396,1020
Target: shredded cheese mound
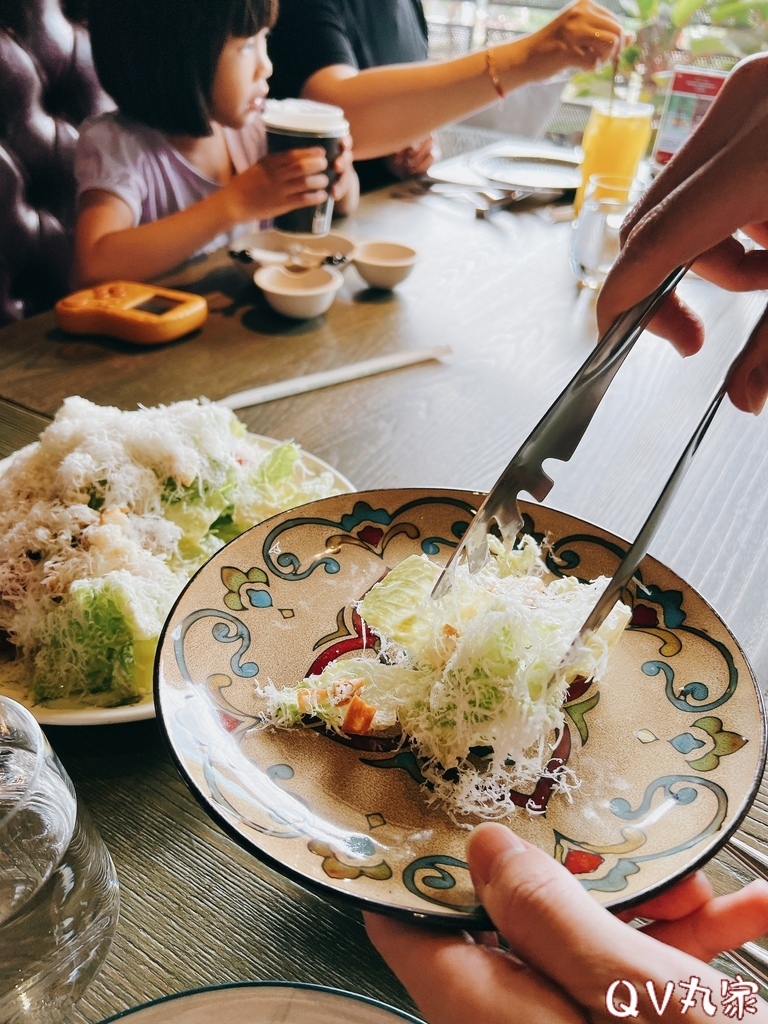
x,y
473,681
105,519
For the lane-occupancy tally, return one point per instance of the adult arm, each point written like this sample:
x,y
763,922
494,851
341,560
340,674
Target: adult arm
x,y
716,184
565,950
390,107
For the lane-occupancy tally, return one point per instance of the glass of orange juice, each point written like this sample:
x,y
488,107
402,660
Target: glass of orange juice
x,y
615,140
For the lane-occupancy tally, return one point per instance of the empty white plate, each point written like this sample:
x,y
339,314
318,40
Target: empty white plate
x,y
266,1002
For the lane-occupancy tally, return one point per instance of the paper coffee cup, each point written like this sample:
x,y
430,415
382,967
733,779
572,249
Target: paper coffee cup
x,y
295,124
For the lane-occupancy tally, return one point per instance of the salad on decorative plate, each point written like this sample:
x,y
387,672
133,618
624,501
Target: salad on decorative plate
x,y
326,719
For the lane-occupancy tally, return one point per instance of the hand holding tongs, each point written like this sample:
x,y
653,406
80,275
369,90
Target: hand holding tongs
x,y
556,436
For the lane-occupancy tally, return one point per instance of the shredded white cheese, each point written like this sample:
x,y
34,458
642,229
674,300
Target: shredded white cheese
x,y
474,680
104,520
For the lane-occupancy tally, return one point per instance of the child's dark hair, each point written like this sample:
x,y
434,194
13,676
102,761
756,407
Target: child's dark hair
x,y
157,58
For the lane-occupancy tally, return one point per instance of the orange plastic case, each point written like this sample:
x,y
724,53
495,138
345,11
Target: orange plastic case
x,y
131,311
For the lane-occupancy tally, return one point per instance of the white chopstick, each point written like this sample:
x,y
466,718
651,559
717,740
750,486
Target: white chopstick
x,y
312,381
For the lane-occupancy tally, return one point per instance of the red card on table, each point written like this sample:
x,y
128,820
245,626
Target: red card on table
x,y
690,96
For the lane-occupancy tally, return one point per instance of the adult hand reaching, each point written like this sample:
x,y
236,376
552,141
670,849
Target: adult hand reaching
x,y
569,959
582,35
415,159
716,184
391,105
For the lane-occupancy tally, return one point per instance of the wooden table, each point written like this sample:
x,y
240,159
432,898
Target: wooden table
x,y
196,909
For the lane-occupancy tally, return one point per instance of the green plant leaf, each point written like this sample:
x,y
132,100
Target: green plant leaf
x,y
683,11
739,10
631,55
715,44
648,9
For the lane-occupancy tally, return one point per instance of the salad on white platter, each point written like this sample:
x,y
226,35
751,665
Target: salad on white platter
x,y
103,521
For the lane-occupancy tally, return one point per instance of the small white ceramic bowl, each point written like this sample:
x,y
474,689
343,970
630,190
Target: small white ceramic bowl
x,y
383,264
300,294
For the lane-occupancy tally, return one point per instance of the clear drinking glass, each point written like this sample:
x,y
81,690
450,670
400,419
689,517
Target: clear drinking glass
x,y
58,889
615,140
595,240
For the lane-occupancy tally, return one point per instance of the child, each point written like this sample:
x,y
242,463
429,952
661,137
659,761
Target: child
x,y
181,165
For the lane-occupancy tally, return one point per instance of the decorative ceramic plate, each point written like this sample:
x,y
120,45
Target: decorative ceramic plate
x,y
267,1002
526,170
669,746
48,715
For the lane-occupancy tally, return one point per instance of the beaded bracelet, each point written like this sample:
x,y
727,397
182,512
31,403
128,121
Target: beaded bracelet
x,y
489,67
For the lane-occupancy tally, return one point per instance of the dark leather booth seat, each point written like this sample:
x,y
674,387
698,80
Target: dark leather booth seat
x,y
47,86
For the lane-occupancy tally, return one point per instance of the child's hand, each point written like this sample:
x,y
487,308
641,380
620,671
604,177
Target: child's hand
x,y
279,183
346,188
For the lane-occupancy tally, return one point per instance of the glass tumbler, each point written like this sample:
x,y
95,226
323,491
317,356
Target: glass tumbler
x,y
58,889
595,238
615,140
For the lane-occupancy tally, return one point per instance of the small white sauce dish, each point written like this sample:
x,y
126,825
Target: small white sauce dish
x,y
383,264
273,246
299,294
334,244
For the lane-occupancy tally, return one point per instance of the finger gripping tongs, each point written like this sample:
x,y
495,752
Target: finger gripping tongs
x,y
556,436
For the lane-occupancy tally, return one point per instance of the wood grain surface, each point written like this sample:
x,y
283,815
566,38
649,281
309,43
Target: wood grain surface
x,y
197,910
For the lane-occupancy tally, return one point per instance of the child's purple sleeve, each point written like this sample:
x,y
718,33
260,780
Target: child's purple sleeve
x,y
105,160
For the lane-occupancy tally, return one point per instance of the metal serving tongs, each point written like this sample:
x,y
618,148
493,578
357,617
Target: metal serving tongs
x,y
631,560
555,436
